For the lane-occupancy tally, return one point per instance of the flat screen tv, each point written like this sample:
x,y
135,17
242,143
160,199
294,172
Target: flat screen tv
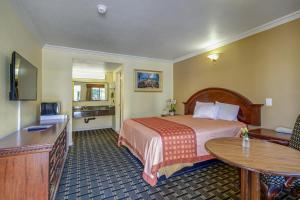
x,y
23,79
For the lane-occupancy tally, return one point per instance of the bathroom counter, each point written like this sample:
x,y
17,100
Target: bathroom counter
x,y
92,111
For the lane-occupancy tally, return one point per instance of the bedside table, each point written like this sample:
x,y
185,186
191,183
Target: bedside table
x,y
270,136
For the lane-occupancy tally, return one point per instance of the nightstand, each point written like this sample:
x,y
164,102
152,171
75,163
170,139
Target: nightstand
x,y
270,136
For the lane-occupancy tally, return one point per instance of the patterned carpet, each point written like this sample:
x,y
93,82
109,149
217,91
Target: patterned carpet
x,y
96,168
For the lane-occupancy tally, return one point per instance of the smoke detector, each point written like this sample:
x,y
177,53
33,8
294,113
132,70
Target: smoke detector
x,y
101,9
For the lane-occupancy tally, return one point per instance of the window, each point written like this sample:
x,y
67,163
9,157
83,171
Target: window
x,y
98,94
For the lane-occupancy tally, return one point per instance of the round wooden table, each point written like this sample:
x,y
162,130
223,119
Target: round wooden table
x,y
260,157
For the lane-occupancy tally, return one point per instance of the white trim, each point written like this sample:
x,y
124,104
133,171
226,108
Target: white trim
x,y
100,53
264,27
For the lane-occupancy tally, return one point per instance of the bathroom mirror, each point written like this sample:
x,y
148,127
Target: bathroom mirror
x,y
90,91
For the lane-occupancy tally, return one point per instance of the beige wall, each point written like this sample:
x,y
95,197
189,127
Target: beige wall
x,y
14,36
264,65
57,80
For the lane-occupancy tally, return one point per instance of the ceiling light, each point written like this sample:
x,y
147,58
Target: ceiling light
x,y
102,9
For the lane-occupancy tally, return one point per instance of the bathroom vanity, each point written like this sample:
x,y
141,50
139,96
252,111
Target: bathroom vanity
x,y
92,111
92,104
93,117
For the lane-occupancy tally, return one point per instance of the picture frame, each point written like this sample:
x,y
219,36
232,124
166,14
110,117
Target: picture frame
x,y
148,80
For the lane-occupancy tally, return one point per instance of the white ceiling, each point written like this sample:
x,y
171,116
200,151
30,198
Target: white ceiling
x,y
165,29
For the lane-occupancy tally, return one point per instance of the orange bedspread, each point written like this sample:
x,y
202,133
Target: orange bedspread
x,y
179,140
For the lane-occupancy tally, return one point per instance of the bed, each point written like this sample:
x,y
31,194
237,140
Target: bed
x,y
167,144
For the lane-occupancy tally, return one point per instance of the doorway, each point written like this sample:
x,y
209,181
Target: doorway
x,y
97,95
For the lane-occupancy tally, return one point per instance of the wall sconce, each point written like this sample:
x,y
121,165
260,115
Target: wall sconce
x,y
213,57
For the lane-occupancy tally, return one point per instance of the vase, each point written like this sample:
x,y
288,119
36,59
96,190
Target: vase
x,y
246,142
171,113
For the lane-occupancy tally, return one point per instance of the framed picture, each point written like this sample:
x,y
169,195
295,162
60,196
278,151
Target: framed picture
x,y
148,81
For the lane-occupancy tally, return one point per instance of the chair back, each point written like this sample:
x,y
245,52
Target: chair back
x,y
295,139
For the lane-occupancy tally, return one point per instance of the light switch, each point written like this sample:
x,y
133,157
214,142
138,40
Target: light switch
x,y
269,102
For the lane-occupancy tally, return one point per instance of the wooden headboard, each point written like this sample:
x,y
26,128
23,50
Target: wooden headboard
x,y
249,113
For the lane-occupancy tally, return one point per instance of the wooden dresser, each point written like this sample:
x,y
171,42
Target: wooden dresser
x,y
31,163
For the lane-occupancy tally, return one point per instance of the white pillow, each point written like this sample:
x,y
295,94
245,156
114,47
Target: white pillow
x,y
205,110
199,103
227,111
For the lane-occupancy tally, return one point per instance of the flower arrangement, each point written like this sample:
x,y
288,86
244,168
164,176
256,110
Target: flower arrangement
x,y
245,132
171,104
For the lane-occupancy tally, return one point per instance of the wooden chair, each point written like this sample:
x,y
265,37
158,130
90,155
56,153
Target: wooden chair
x,y
272,185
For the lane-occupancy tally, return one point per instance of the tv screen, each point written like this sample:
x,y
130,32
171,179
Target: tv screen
x,y
23,79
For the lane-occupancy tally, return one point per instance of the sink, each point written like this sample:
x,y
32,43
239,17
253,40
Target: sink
x,y
38,128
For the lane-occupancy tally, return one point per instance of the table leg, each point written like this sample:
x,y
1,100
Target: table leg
x,y
250,185
245,183
255,186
